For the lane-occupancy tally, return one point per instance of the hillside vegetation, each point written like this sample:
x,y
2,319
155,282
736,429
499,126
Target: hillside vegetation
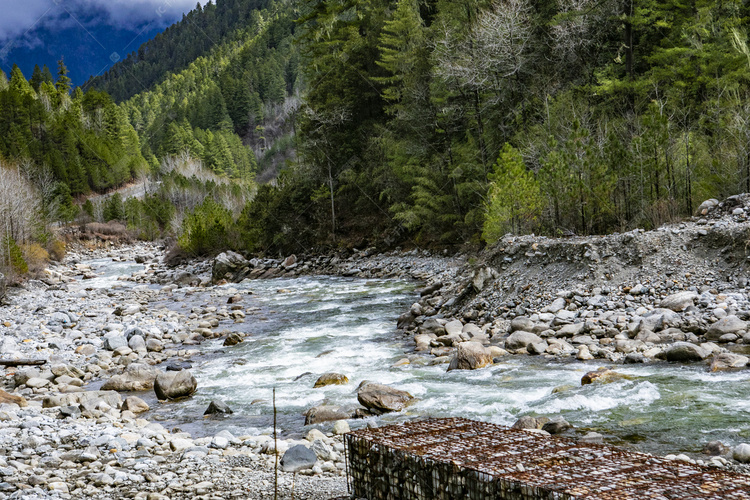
x,y
417,122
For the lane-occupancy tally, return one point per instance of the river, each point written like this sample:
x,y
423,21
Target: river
x,y
303,327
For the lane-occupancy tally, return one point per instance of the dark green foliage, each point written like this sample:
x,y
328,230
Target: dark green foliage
x,y
208,229
12,254
88,208
85,140
114,208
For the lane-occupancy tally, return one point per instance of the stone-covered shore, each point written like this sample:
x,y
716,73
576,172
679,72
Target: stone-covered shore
x,y
59,439
677,294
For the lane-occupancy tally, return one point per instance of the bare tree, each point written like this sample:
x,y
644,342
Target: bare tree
x,y
19,208
496,47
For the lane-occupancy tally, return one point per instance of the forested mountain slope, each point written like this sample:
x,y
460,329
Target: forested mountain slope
x,y
199,32
217,106
444,120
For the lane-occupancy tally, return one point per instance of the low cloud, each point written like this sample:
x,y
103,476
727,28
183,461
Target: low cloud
x,y
20,21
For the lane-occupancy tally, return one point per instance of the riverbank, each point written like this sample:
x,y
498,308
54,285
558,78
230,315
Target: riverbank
x,y
107,321
72,427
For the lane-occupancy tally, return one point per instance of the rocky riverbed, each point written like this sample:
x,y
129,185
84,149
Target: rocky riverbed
x,y
73,426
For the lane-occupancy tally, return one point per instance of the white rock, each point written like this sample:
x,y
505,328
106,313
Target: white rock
x,y
340,427
741,453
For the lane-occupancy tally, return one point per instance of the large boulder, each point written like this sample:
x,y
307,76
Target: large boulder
x,y
529,422
331,378
685,352
727,324
601,376
297,458
325,413
230,266
135,404
707,206
521,339
12,399
136,377
115,341
173,385
741,453
382,399
728,361
557,425
470,356
679,301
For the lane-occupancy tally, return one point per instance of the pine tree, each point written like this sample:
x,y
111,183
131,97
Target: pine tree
x,y
63,83
514,199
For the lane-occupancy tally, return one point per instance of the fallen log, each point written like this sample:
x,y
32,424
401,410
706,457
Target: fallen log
x,y
22,362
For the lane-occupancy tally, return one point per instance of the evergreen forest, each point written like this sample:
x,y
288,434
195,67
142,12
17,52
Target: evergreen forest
x,y
276,126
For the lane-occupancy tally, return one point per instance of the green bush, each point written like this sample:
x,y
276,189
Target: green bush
x,y
208,229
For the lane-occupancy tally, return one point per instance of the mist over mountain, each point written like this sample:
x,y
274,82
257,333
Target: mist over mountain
x,y
91,35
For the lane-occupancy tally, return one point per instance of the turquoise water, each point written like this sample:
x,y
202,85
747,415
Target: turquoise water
x,y
301,328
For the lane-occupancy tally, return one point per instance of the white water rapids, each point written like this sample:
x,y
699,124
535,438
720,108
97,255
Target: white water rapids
x,y
300,328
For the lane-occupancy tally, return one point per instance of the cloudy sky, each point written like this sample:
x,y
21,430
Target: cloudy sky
x,y
89,34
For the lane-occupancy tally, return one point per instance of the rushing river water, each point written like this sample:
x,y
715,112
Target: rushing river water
x,y
301,328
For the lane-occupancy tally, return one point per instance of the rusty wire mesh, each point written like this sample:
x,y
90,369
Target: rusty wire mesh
x,y
456,458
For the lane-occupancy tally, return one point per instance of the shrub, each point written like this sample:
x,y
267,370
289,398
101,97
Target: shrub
x,y
208,229
12,257
57,250
35,256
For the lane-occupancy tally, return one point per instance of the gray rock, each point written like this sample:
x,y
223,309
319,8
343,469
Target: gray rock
x,y
133,331
521,323
521,339
382,398
707,206
36,382
570,330
728,324
173,385
454,327
685,352
298,458
679,301
528,422
592,438
137,343
154,345
220,442
229,265
556,305
136,377
741,453
537,348
325,413
728,361
322,450
470,356
70,411
557,425
135,404
217,406
115,342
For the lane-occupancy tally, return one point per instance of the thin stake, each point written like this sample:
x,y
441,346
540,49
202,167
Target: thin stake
x,y
276,451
